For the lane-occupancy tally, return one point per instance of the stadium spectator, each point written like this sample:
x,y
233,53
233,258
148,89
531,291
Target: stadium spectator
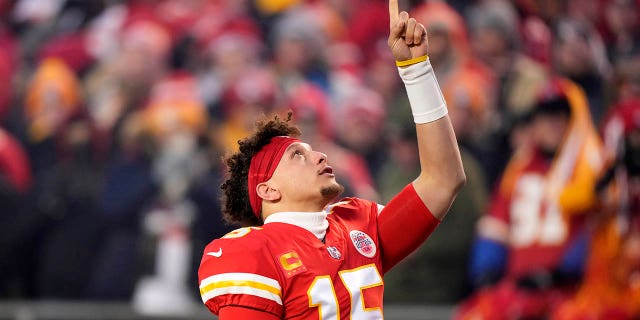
x,y
231,48
621,29
15,184
531,241
8,65
128,189
610,289
360,126
299,43
576,57
251,95
466,83
495,41
66,166
312,110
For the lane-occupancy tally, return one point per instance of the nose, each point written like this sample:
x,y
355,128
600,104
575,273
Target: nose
x,y
321,157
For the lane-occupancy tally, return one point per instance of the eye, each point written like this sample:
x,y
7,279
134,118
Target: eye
x,y
297,153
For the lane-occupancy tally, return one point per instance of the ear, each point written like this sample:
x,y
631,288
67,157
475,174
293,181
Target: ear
x,y
268,192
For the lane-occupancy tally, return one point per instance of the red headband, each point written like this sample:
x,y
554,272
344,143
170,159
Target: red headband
x,y
263,164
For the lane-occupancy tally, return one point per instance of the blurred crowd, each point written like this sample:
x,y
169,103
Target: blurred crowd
x,y
114,116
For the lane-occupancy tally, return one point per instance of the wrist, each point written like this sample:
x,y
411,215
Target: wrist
x,y
425,97
412,61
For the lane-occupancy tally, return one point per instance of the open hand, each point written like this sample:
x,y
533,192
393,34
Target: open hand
x,y
407,37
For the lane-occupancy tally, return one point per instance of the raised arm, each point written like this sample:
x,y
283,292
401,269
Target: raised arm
x,y
442,174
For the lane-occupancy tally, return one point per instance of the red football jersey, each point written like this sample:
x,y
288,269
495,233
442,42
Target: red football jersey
x,y
532,224
285,270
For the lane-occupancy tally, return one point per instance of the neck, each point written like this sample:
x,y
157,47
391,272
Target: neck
x,y
314,222
311,205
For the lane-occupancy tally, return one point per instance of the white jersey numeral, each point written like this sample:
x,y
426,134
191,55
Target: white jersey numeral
x,y
322,294
534,218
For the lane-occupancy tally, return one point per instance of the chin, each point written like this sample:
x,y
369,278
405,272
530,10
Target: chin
x,y
332,191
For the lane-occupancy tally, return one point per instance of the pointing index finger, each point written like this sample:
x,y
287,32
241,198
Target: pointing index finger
x,y
393,12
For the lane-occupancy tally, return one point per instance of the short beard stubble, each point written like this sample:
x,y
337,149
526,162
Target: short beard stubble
x,y
331,192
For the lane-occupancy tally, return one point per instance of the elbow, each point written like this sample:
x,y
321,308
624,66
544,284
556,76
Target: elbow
x,y
459,181
456,184
453,179
440,190
449,185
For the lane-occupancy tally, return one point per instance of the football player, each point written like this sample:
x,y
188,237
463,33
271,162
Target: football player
x,y
303,256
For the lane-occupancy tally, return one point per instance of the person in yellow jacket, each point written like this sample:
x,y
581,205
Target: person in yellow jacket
x,y
611,287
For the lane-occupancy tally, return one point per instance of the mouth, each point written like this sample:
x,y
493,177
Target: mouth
x,y
327,170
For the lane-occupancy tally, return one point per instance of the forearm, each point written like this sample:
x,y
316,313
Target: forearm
x,y
442,173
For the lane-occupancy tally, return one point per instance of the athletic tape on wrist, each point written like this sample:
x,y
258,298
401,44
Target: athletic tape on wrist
x,y
423,91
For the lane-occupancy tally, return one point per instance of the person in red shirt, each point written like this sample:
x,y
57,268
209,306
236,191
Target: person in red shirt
x,y
302,256
531,242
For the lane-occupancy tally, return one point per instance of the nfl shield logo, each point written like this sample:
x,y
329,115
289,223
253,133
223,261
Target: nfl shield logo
x,y
334,252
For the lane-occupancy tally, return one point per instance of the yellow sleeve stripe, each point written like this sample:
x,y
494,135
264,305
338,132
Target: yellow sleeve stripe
x,y
231,283
240,276
240,283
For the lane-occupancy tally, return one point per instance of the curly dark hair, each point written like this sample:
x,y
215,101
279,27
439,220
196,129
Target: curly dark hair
x,y
236,208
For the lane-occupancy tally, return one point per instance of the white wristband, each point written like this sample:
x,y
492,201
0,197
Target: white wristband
x,y
425,97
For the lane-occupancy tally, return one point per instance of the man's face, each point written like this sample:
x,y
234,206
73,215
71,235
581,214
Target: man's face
x,y
548,130
303,175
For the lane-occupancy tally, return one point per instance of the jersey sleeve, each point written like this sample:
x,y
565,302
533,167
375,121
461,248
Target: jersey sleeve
x,y
240,272
240,313
403,225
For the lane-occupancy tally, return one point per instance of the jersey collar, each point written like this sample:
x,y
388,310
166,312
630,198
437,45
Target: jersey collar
x,y
314,222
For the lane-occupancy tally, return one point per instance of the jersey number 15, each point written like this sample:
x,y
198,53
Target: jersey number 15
x,y
322,294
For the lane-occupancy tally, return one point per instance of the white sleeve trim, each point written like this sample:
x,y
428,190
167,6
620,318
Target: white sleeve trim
x,y
240,283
